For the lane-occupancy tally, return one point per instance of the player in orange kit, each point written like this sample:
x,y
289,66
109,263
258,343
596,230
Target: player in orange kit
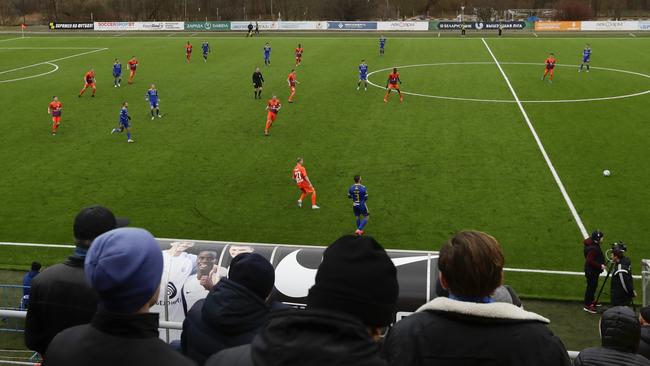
x,y
133,65
54,109
291,80
273,106
299,51
550,66
188,51
304,184
89,82
393,83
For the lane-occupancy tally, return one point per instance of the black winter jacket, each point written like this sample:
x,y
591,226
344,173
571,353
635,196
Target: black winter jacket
x,y
114,340
60,298
644,343
306,338
620,332
622,287
448,332
231,315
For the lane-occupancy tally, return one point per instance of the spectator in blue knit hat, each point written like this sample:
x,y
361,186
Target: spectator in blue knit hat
x,y
124,267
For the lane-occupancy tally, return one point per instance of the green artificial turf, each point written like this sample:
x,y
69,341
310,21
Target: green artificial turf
x,y
432,166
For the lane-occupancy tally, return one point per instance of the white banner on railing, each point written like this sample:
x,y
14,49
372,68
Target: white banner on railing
x,y
240,26
403,26
302,25
115,26
610,25
644,25
139,26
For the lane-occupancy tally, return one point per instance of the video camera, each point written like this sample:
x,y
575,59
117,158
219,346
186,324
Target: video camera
x,y
618,248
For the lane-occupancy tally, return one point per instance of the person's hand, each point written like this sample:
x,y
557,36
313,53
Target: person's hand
x,y
602,267
206,282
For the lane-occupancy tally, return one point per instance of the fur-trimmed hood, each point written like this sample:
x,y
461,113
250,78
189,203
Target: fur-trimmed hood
x,y
495,310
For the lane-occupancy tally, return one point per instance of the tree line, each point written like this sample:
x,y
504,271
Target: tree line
x,y
43,11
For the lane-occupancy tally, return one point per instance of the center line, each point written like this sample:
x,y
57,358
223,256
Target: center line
x,y
558,181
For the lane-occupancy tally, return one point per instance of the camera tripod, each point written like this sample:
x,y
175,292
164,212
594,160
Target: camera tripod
x,y
610,268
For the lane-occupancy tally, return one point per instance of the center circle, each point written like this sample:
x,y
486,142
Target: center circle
x,y
512,100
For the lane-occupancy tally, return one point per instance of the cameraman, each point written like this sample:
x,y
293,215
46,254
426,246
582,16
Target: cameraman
x,y
622,290
594,266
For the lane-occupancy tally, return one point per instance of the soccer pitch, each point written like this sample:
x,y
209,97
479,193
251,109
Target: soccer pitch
x,y
458,155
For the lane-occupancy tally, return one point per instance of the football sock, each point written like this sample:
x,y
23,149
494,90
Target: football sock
x,y
358,222
128,135
302,197
313,199
152,113
587,66
363,223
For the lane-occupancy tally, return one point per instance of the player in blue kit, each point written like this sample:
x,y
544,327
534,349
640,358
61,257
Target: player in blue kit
x,y
152,97
124,122
363,75
586,58
382,44
206,49
117,73
359,196
267,54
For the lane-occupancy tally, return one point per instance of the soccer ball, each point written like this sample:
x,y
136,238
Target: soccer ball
x,y
607,173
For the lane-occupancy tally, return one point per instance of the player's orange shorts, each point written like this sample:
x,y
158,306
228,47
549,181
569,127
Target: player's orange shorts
x,y
132,72
292,88
56,119
298,58
271,116
91,85
305,187
393,86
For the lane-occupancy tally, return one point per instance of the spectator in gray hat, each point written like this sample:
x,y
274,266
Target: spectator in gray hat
x,y
124,267
60,297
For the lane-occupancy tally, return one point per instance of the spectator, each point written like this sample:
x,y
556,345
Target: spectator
x,y
233,311
27,284
644,343
60,296
622,285
594,265
469,328
353,298
619,333
124,266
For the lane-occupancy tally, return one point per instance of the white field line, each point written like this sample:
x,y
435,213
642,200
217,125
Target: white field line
x,y
10,39
535,34
48,48
558,181
170,35
56,67
216,35
54,60
632,34
193,34
523,270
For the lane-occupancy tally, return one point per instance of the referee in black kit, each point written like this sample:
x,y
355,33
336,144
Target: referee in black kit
x,y
258,81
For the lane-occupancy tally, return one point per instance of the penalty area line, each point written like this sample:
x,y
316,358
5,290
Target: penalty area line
x,y
549,163
54,60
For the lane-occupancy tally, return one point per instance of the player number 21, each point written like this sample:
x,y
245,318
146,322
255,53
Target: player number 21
x,y
297,177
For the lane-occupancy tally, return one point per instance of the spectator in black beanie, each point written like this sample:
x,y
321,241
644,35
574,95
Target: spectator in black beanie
x,y
644,343
354,296
234,310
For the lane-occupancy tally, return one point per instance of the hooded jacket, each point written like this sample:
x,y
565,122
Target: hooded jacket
x,y
620,331
449,332
306,337
594,257
231,315
622,285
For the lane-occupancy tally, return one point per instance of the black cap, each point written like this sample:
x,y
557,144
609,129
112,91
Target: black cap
x,y
254,272
597,235
93,221
356,277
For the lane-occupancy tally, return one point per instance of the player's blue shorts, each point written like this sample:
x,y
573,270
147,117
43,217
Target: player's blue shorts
x,y
125,124
153,103
585,59
205,53
267,56
117,75
360,210
363,77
